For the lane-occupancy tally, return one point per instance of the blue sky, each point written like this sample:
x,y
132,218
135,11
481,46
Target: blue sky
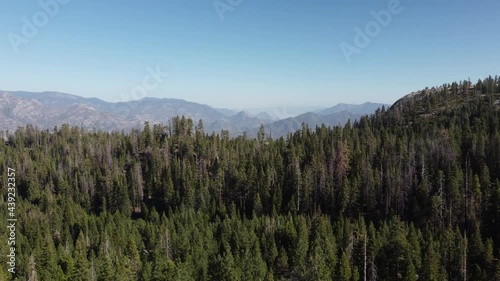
x,y
262,53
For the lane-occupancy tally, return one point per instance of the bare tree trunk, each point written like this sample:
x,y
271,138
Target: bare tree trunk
x,y
298,183
373,270
466,218
92,271
364,263
465,256
32,269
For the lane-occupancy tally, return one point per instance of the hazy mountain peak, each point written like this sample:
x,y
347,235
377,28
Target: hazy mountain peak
x,y
364,108
48,109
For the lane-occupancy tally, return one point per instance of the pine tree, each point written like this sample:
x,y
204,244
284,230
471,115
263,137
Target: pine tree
x,y
81,271
105,271
344,273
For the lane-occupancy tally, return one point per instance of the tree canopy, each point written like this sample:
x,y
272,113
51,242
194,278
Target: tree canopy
x,y
409,193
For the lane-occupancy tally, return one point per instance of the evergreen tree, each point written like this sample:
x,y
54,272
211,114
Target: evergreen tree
x,y
81,270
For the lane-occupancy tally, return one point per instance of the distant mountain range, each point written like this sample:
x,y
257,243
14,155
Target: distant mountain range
x,y
292,124
367,107
49,109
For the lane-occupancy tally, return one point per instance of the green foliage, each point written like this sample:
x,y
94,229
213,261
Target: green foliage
x,y
408,193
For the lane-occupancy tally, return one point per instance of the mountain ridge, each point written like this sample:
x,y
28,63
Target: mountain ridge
x,y
49,108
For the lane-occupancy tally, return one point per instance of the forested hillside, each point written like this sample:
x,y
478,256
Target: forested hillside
x,y
409,193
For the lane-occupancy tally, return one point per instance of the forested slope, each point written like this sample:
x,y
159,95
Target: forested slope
x,y
409,193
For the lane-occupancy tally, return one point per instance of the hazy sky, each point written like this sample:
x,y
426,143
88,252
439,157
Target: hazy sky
x,y
257,53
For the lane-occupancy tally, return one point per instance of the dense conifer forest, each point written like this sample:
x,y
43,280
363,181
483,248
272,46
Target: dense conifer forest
x,y
411,192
